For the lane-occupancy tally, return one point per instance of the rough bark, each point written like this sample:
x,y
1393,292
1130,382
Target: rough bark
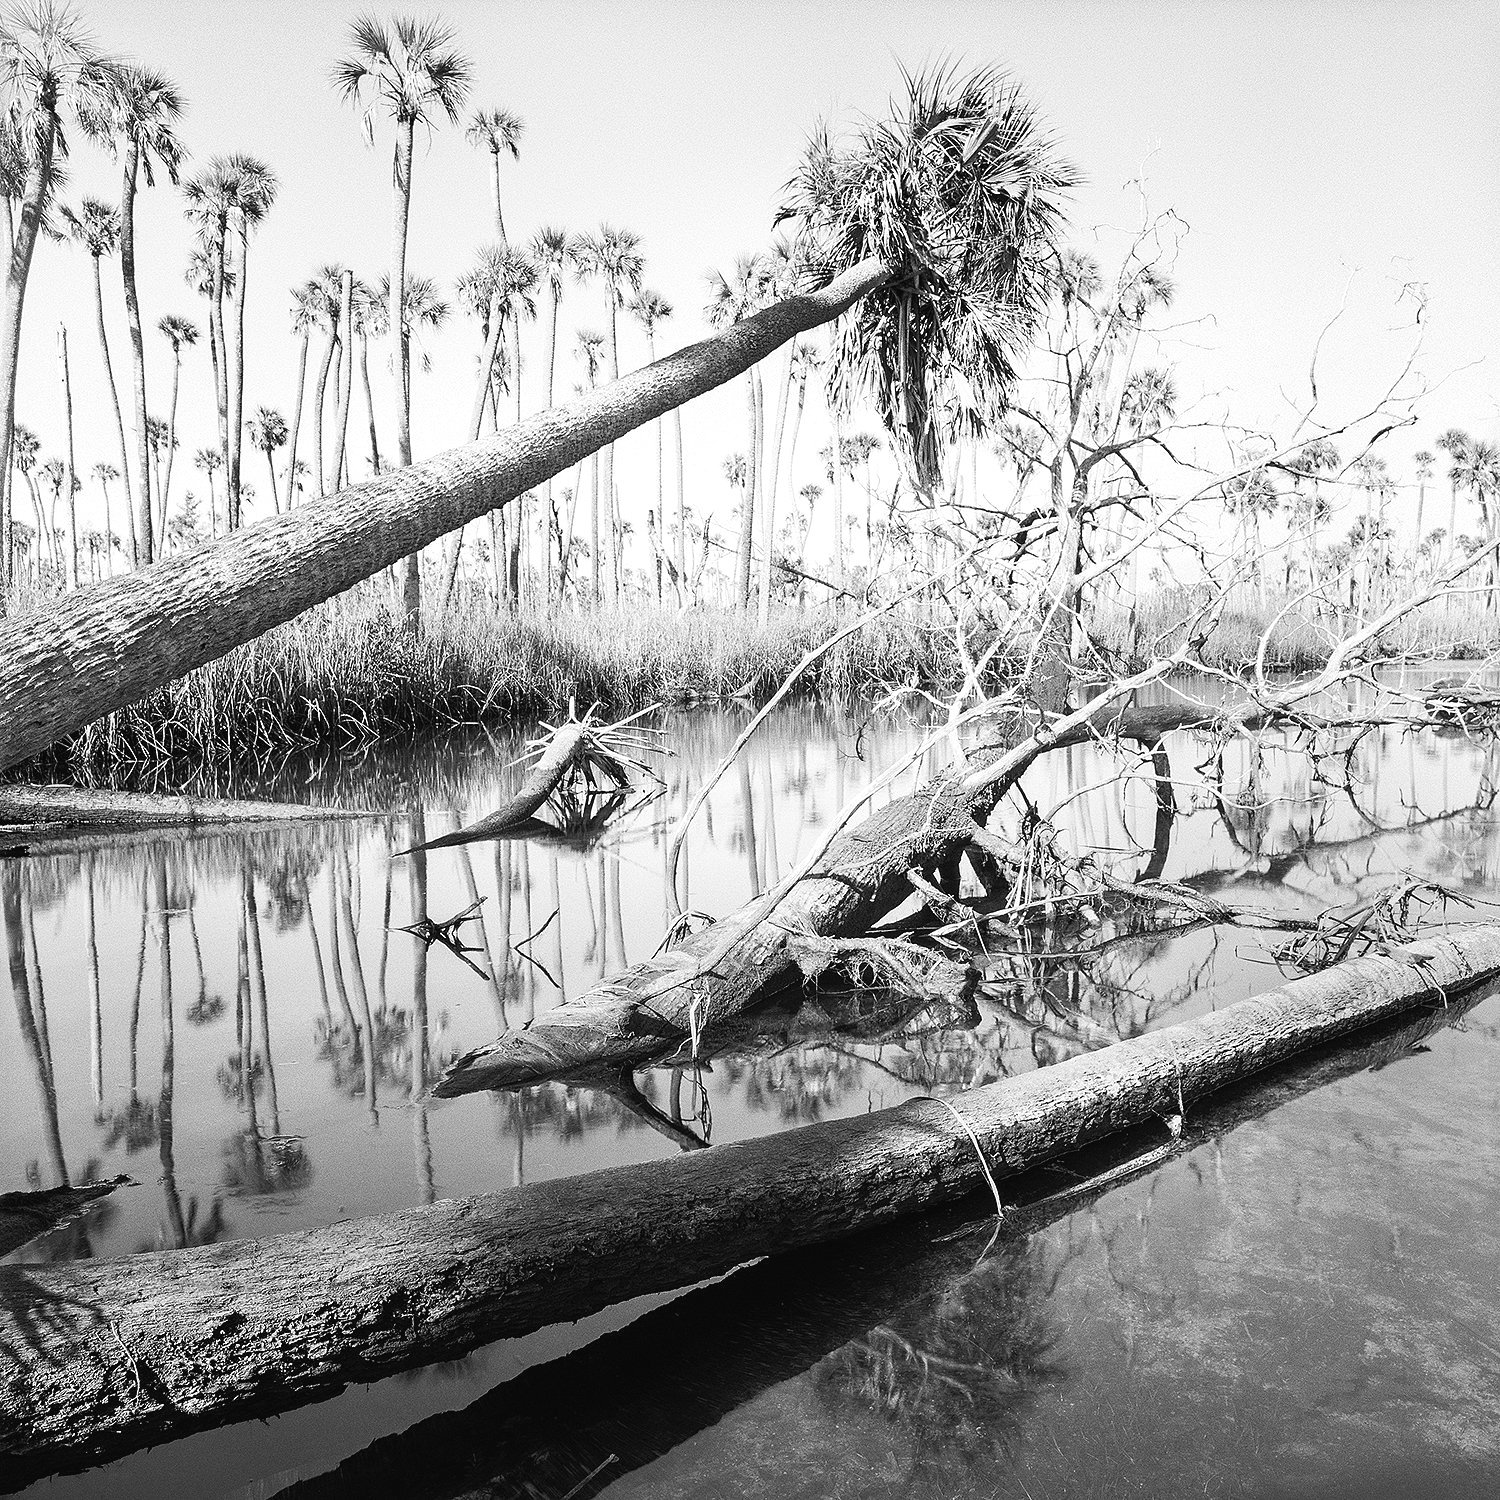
x,y
110,643
110,1355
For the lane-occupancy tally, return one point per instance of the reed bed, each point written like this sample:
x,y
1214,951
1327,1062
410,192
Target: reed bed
x,y
1454,629
345,677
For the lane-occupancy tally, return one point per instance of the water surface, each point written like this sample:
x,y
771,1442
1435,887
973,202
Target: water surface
x,y
1308,1304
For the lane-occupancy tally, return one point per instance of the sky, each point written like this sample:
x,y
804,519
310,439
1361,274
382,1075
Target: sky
x,y
1320,155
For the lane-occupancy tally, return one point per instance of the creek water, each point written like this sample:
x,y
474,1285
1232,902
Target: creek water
x,y
1305,1305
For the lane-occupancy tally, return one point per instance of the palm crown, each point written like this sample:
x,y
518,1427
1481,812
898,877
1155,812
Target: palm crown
x,y
410,69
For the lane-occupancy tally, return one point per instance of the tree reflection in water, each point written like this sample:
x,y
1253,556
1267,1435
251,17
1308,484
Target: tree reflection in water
x,y
953,1375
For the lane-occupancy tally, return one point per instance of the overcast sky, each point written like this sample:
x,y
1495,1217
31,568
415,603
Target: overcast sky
x,y
1302,144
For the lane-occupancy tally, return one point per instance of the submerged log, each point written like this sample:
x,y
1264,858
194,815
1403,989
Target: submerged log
x,y
107,1356
575,1425
651,1008
34,808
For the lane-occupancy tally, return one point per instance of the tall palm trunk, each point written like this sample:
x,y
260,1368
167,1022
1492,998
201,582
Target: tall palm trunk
x,y
608,455
148,545
221,359
35,189
346,381
291,463
67,402
114,397
271,465
547,499
319,391
166,484
237,388
747,499
518,530
768,517
110,643
681,508
364,376
411,574
109,531
838,500
482,398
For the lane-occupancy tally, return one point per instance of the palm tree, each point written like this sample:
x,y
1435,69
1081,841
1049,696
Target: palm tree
x,y
412,73
95,226
368,323
590,344
209,461
1476,467
650,309
1424,461
305,317
1455,444
550,255
613,258
207,275
70,478
732,299
325,305
268,432
180,334
253,188
143,107
498,131
158,438
935,235
106,474
346,380
48,69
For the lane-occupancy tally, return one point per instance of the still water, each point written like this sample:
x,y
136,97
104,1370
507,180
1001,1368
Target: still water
x,y
1306,1305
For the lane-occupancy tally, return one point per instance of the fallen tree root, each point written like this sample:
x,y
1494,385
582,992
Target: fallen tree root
x,y
105,1356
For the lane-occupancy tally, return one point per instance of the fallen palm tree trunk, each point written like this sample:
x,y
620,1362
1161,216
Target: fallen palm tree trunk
x,y
52,807
107,1356
108,644
577,1424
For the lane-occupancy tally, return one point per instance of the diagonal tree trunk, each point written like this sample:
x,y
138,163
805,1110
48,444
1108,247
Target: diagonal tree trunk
x,y
112,642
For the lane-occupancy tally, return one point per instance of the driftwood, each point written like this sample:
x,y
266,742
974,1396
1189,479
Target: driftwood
x,y
723,970
579,750
107,1356
575,1425
32,809
26,1216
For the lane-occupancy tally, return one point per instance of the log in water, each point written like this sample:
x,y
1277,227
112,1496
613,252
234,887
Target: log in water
x,y
104,1357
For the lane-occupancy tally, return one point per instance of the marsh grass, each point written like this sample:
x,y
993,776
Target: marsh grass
x,y
1464,628
345,677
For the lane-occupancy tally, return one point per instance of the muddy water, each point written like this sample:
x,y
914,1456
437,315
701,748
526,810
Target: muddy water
x,y
1306,1305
